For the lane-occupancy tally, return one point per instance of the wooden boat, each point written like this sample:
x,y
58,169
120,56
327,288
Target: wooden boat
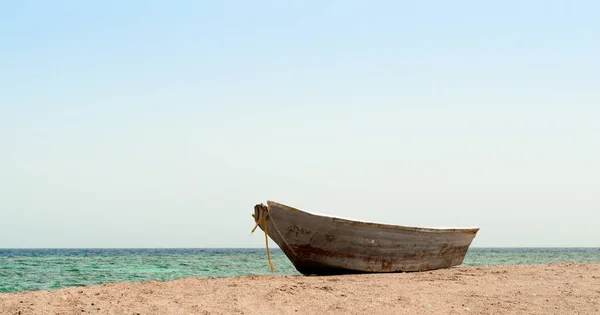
x,y
322,245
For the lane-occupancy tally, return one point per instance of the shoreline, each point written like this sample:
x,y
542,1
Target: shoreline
x,y
508,289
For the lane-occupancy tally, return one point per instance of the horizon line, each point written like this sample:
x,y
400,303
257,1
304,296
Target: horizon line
x,y
480,247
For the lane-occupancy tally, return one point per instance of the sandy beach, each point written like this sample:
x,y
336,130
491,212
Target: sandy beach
x,y
517,289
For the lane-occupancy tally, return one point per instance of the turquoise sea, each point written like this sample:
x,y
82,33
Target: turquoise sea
x,y
48,269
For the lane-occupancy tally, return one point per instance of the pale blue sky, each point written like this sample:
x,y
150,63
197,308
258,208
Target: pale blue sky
x,y
162,123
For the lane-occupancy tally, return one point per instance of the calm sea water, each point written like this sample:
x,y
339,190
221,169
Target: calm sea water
x,y
47,269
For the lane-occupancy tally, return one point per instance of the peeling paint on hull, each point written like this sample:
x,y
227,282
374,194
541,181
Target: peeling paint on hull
x,y
321,245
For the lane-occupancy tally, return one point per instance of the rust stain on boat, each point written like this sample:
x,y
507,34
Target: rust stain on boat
x,y
296,229
329,237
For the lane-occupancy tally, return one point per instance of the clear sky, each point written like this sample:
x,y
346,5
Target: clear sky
x,y
162,123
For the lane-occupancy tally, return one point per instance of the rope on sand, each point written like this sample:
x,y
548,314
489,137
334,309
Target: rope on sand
x,y
265,219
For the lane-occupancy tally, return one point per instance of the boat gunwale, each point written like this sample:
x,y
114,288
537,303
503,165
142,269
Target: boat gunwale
x,y
472,230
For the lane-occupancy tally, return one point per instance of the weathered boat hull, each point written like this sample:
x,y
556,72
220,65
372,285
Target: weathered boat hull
x,y
321,245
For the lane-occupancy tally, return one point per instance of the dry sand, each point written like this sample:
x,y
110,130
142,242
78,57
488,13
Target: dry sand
x,y
520,289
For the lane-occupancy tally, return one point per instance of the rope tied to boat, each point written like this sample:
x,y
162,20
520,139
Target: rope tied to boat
x,y
265,219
